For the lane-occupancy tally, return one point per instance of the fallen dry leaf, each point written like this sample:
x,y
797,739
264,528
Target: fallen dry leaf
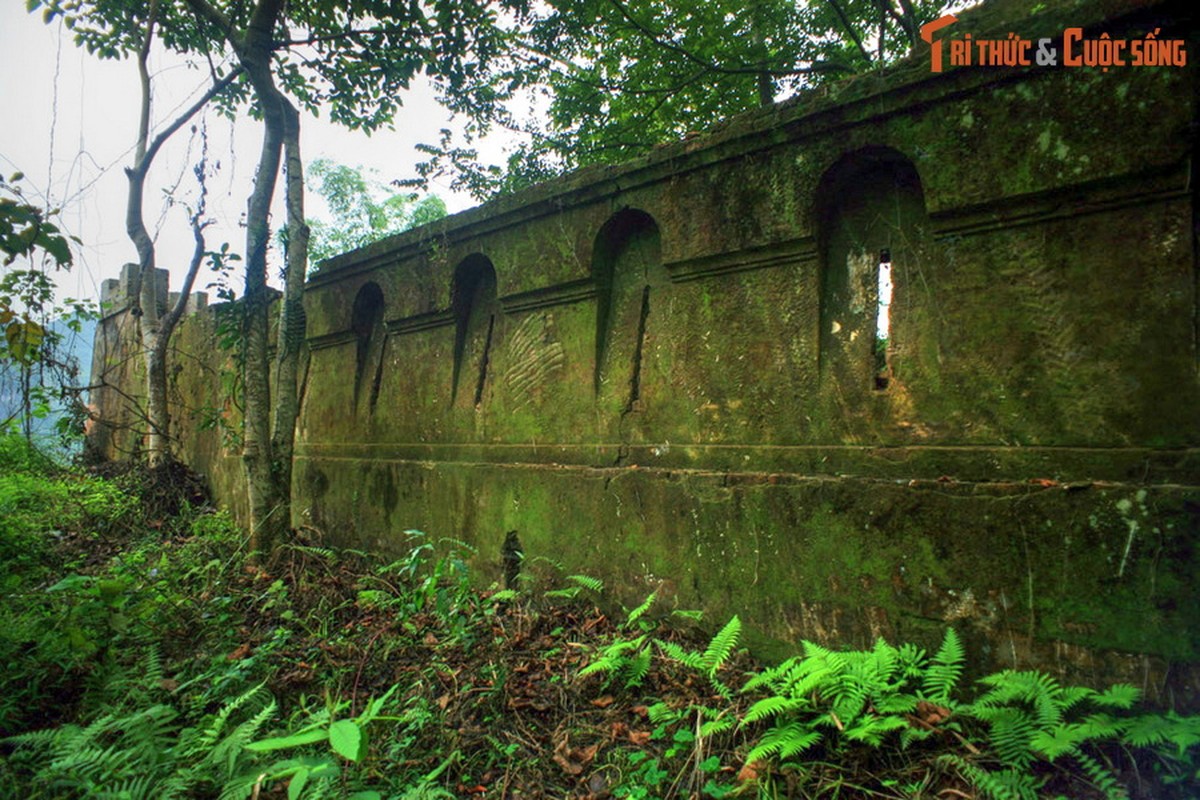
x,y
603,702
751,771
574,760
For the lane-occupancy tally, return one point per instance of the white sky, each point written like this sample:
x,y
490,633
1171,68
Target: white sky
x,y
68,119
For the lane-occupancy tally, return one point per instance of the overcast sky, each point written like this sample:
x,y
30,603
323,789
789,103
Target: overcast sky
x,y
68,119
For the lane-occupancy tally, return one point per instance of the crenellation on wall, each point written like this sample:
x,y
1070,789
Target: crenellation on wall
x,y
118,369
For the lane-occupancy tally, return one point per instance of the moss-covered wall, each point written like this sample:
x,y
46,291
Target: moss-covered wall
x,y
667,373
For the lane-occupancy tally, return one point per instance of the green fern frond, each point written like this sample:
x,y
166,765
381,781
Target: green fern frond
x,y
785,741
638,667
1011,731
721,646
873,729
1148,730
662,712
427,791
1007,784
714,727
771,676
640,611
614,656
588,582
1101,776
323,553
771,707
945,670
896,703
676,653
1058,741
1119,695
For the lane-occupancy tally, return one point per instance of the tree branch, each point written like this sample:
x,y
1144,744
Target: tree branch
x,y
644,30
189,112
853,34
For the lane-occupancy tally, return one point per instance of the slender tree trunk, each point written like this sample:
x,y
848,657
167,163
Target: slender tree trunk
x,y
291,317
256,448
268,507
155,332
267,471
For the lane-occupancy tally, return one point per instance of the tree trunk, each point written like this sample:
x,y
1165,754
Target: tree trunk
x,y
269,513
153,332
291,315
267,489
256,448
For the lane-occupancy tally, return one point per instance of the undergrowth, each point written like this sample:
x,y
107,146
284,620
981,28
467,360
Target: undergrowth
x,y
150,656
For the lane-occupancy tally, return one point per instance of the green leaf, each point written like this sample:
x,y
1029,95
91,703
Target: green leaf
x,y
285,742
346,739
296,784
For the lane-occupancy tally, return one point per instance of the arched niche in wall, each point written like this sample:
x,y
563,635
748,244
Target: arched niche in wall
x,y
366,321
474,307
627,268
871,211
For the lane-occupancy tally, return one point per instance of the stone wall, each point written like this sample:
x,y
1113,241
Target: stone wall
x,y
669,374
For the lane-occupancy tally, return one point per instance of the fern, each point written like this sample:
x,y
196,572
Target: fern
x,y
1148,730
1101,776
1007,784
943,674
709,662
1011,732
721,647
636,614
784,741
625,659
580,582
1119,695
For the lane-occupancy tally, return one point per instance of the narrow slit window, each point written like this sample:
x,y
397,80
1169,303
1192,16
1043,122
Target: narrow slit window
x,y
883,320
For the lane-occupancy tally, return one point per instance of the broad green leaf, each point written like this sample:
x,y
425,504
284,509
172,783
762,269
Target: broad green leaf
x,y
346,739
296,784
285,742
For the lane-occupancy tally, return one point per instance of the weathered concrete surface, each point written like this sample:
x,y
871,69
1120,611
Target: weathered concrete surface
x,y
667,374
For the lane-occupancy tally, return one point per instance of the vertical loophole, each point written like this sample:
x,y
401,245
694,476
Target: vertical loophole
x,y
635,380
883,320
483,362
474,307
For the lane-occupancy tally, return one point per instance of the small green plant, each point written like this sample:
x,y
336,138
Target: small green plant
x,y
713,658
855,696
137,748
1030,719
335,742
627,660
890,696
578,584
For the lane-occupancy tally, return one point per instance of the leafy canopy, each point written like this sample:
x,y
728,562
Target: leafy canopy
x,y
353,60
363,209
617,78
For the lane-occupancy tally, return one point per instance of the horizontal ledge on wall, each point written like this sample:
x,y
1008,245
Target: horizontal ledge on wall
x,y
1042,466
561,294
1077,200
330,340
421,322
753,258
